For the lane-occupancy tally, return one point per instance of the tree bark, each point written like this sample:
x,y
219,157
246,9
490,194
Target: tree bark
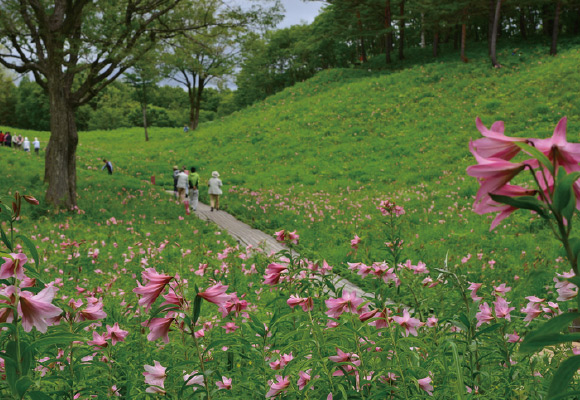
x,y
463,38
389,36
553,47
494,35
402,30
60,157
523,29
490,21
144,109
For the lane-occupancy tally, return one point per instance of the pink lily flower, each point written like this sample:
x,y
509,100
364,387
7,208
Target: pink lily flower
x,y
495,143
279,386
38,310
349,302
273,273
514,338
116,334
492,173
93,311
14,266
230,327
484,315
155,376
193,379
158,328
306,303
153,288
98,340
342,357
532,310
355,242
234,305
216,294
502,309
409,324
425,384
474,287
486,205
557,148
501,290
225,383
304,379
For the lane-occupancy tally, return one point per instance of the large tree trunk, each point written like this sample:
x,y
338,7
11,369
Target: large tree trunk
x,y
553,47
402,30
60,158
144,109
494,35
490,20
195,103
389,36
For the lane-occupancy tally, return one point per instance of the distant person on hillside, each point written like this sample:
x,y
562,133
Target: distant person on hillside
x,y
1,138
8,139
185,129
108,165
186,171
26,145
193,188
181,185
175,173
17,140
36,145
214,190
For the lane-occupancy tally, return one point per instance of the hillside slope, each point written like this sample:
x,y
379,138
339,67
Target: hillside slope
x,y
319,156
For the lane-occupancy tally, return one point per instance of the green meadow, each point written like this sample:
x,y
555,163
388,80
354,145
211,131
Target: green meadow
x,y
318,158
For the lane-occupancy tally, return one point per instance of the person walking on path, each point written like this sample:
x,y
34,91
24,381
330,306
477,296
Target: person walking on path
x,y
36,145
214,190
108,165
181,185
175,173
26,145
193,189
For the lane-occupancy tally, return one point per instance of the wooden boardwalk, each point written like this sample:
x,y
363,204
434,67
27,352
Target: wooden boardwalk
x,y
246,235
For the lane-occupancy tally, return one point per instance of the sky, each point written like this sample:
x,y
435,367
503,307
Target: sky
x,y
298,11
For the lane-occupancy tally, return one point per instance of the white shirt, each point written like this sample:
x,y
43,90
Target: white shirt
x,y
26,145
182,180
214,186
36,144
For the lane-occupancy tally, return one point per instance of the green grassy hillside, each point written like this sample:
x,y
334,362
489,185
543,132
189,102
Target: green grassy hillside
x,y
318,157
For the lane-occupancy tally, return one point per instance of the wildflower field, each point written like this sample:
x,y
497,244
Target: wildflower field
x,y
362,174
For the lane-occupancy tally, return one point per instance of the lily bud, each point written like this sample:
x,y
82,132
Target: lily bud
x,y
31,200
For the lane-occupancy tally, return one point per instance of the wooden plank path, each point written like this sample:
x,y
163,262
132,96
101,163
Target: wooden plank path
x,y
246,235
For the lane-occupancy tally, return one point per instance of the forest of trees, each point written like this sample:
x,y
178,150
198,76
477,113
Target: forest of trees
x,y
347,33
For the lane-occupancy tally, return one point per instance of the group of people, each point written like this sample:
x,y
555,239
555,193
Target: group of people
x,y
6,139
186,188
